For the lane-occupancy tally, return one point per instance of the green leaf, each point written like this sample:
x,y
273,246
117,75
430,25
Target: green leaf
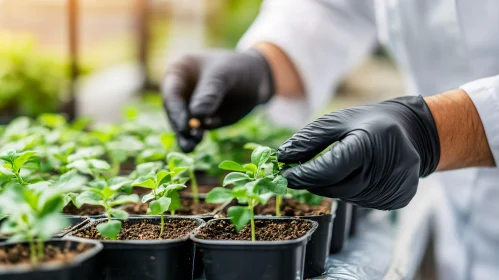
x,y
52,120
251,168
251,146
163,177
239,192
160,206
110,229
99,164
168,141
118,214
219,195
87,197
280,185
239,216
264,198
231,166
48,225
260,155
235,177
144,183
71,182
179,160
21,159
176,203
19,126
251,187
148,197
174,187
8,155
117,183
125,199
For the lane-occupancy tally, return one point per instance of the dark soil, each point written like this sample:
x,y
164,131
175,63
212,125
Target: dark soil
x,y
265,230
144,230
85,210
188,208
290,207
140,190
19,254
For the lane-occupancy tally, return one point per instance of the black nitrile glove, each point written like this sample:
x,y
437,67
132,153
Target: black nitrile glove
x,y
382,151
217,87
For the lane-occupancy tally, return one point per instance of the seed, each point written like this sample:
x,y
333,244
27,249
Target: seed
x,y
194,123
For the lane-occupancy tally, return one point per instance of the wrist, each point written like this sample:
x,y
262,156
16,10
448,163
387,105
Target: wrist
x,y
287,81
463,142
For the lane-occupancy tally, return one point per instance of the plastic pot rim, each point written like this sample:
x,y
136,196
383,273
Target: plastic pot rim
x,y
45,267
305,237
139,242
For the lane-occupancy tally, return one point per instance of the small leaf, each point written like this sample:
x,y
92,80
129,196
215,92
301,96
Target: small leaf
x,y
174,187
260,156
235,177
168,140
160,206
239,216
21,159
144,183
118,183
110,229
87,197
280,185
239,192
264,198
118,214
163,177
147,197
251,146
232,166
251,168
99,164
125,199
219,195
176,203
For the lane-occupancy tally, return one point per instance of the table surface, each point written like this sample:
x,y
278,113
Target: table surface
x,y
387,245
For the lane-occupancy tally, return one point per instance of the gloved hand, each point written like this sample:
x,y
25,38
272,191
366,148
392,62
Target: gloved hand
x,y
216,87
382,151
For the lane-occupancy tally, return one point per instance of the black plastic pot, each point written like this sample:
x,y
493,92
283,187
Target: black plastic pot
x,y
319,244
76,222
263,260
80,268
146,259
341,227
353,221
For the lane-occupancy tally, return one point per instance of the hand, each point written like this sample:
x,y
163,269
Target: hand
x,y
382,151
216,87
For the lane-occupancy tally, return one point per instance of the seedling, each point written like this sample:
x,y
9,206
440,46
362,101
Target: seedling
x,y
85,161
176,160
33,211
14,161
164,195
108,195
251,186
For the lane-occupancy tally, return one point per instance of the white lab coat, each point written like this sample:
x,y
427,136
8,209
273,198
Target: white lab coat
x,y
440,45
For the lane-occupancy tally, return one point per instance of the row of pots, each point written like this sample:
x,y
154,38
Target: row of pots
x,y
174,259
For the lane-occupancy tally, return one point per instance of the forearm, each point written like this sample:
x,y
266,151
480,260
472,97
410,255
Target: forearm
x,y
463,142
287,81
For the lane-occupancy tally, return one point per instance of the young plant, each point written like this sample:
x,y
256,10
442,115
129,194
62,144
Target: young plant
x,y
108,195
251,186
176,160
14,161
164,195
86,162
33,212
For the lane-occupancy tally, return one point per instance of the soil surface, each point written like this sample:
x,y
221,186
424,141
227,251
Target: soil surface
x,y
85,210
265,230
188,208
289,207
19,254
144,230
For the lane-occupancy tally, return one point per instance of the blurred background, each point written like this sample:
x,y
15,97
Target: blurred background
x,y
94,57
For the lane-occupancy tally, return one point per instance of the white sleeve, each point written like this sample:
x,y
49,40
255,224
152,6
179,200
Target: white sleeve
x,y
323,38
485,95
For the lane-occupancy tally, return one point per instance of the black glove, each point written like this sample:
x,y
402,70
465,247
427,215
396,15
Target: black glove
x,y
382,151
217,87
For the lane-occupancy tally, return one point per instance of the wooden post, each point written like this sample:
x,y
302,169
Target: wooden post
x,y
142,37
70,105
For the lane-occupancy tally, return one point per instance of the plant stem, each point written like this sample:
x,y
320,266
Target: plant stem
x,y
172,212
278,201
115,167
162,225
40,249
194,186
18,176
251,206
32,251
